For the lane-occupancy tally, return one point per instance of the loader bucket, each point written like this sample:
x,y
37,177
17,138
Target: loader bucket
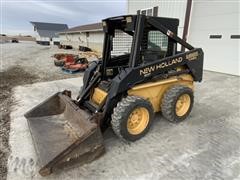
x,y
63,134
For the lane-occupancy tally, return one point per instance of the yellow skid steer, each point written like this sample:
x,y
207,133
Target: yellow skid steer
x,y
121,91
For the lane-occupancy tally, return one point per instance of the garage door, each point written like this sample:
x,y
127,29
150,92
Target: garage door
x,y
215,26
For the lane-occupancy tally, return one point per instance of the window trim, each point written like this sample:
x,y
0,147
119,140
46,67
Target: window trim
x,y
154,11
235,36
215,36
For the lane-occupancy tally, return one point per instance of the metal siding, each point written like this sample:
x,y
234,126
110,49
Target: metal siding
x,y
218,18
49,26
56,39
94,41
173,9
47,33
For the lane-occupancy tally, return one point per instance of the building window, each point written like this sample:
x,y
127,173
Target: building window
x,y
215,36
149,11
235,36
87,34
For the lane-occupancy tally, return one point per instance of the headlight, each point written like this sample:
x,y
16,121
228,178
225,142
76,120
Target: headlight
x,y
104,23
129,19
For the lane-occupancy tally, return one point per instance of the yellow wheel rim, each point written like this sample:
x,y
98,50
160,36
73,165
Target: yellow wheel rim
x,y
183,104
138,121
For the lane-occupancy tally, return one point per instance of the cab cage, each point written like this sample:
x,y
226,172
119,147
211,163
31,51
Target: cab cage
x,y
136,26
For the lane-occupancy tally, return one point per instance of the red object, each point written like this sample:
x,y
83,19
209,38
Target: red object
x,y
69,59
76,66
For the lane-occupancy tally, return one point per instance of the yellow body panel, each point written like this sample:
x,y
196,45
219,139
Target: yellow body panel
x,y
98,96
154,91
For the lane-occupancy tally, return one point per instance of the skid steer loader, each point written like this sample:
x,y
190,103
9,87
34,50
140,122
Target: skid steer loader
x,y
122,91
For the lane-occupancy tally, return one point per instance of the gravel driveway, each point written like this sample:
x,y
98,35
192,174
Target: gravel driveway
x,y
23,63
203,147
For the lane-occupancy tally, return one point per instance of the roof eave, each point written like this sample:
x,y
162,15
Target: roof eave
x,y
72,32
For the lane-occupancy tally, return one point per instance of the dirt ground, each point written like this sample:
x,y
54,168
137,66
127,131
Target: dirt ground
x,y
205,146
23,63
6,38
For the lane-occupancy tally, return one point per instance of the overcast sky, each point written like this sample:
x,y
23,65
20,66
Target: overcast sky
x,y
16,14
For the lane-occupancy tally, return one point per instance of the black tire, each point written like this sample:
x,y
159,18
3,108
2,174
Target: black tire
x,y
122,112
59,62
169,103
81,61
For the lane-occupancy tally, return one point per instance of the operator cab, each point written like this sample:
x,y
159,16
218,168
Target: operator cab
x,y
123,36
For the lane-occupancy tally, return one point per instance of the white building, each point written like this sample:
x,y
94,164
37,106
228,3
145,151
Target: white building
x,y
47,33
213,25
90,35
